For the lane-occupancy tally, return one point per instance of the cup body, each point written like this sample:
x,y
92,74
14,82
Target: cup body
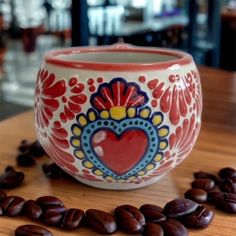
x,y
117,117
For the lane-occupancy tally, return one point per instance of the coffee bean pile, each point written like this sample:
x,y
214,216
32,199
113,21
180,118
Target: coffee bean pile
x,y
149,220
27,153
219,191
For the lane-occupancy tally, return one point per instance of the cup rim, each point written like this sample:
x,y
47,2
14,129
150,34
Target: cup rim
x,y
182,58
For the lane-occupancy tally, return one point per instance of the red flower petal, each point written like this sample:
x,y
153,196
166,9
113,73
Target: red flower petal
x,y
70,115
75,108
52,104
49,81
61,133
56,90
81,98
78,88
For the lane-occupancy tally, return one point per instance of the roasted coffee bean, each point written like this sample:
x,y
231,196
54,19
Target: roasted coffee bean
x,y
202,175
24,146
152,213
204,183
32,209
151,229
200,218
205,175
54,208
2,195
227,173
71,218
51,218
44,201
12,205
11,179
173,227
52,171
25,160
36,150
102,222
32,230
228,186
9,168
226,202
211,196
179,207
196,194
129,219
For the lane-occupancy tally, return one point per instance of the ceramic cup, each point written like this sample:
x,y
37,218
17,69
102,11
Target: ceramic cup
x,y
117,117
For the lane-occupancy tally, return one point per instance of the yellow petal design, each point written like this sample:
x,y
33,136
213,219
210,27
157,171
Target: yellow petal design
x,y
92,116
145,113
79,154
162,132
104,114
118,113
131,112
76,131
157,119
162,145
82,120
88,164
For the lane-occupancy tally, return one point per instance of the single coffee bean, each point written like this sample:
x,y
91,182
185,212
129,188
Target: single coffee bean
x,y
129,219
200,218
12,205
32,209
179,207
72,218
227,173
228,186
151,229
2,195
11,179
54,208
202,175
44,201
226,202
36,150
196,194
52,171
212,195
233,179
24,146
9,168
32,230
152,213
205,184
25,160
173,227
102,222
51,218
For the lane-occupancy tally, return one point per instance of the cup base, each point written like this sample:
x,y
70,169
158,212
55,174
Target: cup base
x,y
118,186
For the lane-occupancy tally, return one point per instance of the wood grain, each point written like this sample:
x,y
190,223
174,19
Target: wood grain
x,y
216,148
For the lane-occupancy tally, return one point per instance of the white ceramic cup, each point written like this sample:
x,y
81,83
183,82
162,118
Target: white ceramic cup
x,y
117,117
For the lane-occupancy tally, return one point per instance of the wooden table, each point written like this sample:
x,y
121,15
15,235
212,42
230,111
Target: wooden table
x,y
216,148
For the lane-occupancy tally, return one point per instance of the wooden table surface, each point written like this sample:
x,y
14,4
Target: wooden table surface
x,y
215,148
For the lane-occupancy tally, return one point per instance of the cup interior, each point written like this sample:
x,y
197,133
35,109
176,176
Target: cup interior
x,y
118,57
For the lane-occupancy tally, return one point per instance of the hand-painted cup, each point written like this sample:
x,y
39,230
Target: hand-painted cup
x,y
117,117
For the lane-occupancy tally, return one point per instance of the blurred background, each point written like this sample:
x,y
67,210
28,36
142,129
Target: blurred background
x,y
28,28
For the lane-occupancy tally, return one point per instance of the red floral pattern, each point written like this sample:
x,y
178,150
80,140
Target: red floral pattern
x,y
57,140
177,99
72,103
182,140
47,92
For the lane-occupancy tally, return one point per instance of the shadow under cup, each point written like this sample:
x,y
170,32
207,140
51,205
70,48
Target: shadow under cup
x,y
117,117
